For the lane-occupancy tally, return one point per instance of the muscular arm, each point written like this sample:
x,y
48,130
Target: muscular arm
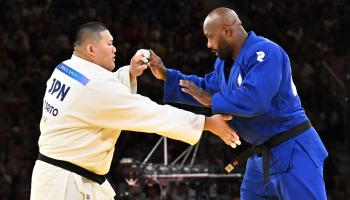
x,y
251,98
115,107
191,89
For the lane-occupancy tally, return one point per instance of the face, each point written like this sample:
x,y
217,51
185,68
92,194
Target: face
x,y
105,51
217,41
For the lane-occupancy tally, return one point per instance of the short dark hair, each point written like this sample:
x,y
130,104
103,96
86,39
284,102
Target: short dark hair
x,y
89,31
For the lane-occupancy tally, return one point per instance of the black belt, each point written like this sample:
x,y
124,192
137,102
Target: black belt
x,y
265,149
73,168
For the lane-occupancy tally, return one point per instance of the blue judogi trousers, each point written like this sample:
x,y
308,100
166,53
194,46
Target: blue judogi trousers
x,y
296,171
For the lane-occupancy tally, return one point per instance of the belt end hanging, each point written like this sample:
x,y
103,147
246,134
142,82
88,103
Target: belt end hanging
x,y
231,167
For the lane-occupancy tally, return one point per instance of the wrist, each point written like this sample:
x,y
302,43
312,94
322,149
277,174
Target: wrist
x,y
131,74
208,102
207,123
132,77
163,73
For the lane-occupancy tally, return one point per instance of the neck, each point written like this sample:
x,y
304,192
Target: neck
x,y
241,38
82,55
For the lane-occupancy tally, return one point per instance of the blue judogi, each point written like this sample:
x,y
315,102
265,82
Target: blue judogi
x,y
260,95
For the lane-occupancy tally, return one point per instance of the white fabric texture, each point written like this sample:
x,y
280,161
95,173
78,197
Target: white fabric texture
x,y
82,124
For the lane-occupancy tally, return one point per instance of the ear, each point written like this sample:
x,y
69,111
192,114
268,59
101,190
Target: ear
x,y
90,49
227,31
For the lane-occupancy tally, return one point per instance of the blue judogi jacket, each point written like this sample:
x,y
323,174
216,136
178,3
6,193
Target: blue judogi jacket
x,y
259,93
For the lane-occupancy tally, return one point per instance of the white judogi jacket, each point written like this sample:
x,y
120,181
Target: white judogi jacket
x,y
86,107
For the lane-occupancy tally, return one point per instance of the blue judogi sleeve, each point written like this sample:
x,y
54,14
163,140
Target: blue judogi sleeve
x,y
263,74
252,98
172,89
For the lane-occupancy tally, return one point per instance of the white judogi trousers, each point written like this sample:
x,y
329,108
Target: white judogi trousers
x,y
67,185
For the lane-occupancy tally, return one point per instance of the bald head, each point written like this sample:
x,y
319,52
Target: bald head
x,y
224,31
221,17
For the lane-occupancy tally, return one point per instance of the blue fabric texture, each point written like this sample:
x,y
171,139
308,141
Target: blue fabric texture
x,y
262,98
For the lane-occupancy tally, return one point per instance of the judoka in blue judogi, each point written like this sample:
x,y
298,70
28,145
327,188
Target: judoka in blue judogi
x,y
252,81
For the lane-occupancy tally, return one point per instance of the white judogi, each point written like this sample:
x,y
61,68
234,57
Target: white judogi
x,y
85,108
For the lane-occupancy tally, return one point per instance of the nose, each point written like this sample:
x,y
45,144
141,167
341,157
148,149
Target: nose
x,y
209,45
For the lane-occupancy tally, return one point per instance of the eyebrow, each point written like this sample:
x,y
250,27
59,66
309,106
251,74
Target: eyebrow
x,y
207,34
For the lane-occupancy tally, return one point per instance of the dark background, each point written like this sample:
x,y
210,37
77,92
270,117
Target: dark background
x,y
36,35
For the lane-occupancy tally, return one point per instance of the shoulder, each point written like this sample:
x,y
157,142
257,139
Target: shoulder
x,y
263,49
105,90
110,83
265,45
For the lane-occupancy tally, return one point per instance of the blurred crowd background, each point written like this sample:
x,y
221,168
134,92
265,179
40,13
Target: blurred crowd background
x,y
36,35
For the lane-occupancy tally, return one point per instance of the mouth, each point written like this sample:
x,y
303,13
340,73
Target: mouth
x,y
214,51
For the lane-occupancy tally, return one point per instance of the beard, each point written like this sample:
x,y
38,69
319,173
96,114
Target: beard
x,y
224,50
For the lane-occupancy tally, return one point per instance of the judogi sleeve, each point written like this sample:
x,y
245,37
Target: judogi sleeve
x,y
122,74
172,89
253,97
110,104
